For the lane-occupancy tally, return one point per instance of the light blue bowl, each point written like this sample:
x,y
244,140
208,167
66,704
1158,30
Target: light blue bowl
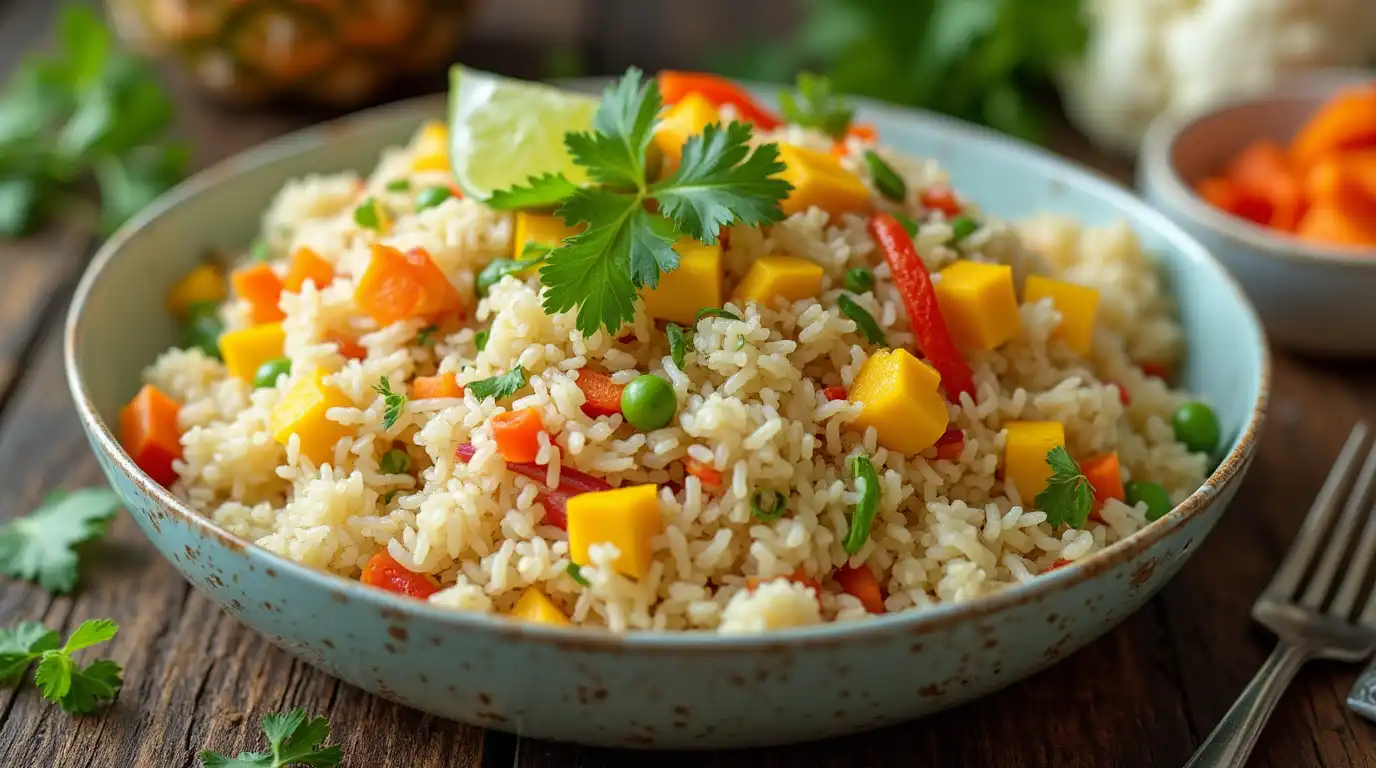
x,y
663,690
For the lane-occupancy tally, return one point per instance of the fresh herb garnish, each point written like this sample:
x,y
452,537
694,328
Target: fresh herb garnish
x,y
41,546
545,191
962,227
1068,497
886,179
862,319
715,312
576,572
859,280
392,402
909,223
292,739
815,106
532,255
626,246
862,519
78,690
394,462
259,250
425,337
398,185
499,387
678,343
369,215
480,339
778,505
89,112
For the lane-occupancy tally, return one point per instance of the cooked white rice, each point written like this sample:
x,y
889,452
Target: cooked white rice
x,y
750,403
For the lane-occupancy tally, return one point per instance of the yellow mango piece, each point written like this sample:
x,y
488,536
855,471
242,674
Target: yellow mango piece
x,y
898,397
533,606
431,150
978,303
626,517
694,285
686,118
819,180
301,412
1078,305
540,228
246,349
1024,455
771,277
204,283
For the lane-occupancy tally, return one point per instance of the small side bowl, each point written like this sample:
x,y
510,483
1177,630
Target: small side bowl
x,y
1311,298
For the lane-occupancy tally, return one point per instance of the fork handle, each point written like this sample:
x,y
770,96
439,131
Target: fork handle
x,y
1232,740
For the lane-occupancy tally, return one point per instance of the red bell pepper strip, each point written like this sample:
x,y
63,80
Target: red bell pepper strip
x,y
834,393
919,298
940,197
555,500
385,572
951,443
673,86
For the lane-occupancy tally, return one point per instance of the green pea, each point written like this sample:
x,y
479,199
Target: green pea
x,y
432,196
394,462
203,329
267,373
962,227
649,402
1196,426
859,280
1157,500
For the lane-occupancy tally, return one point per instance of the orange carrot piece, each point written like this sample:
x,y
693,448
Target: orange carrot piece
x,y
951,443
518,434
442,385
1105,477
1226,196
601,395
1347,121
439,299
385,572
149,433
348,347
261,288
1263,169
1346,217
1328,177
388,290
705,473
861,583
940,197
305,265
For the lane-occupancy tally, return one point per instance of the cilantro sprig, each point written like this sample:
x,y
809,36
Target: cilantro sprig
x,y
41,546
631,222
78,689
1068,497
499,387
815,105
293,740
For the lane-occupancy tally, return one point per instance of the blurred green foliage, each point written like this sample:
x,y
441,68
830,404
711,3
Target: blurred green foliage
x,y
986,61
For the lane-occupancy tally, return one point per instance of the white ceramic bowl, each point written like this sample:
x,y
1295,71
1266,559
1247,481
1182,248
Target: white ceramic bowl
x,y
1311,298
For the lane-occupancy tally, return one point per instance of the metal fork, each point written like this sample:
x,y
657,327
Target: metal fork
x,y
1312,620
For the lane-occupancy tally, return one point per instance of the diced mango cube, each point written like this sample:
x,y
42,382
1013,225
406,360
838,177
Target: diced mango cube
x,y
694,285
978,303
1024,455
246,349
898,397
205,283
301,412
540,228
820,180
686,118
1078,305
533,606
431,150
772,277
626,517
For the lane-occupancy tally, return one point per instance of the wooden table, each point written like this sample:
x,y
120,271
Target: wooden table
x,y
1143,695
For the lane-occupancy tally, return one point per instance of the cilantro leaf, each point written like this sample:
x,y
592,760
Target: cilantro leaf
x,y
499,387
392,403
721,182
1068,497
614,152
21,645
79,690
591,270
425,337
40,547
531,256
678,343
543,191
293,739
815,106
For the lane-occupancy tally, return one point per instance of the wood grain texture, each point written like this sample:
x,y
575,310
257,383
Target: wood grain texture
x,y
1140,697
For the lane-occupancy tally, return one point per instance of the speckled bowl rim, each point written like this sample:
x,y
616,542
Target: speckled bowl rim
x,y
1166,132
904,623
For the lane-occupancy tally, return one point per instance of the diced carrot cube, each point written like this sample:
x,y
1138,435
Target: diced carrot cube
x,y
149,433
704,472
1263,169
262,289
518,434
442,385
601,395
861,583
385,572
1105,477
305,265
1347,121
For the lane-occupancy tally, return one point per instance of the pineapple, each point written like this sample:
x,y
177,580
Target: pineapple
x,y
336,52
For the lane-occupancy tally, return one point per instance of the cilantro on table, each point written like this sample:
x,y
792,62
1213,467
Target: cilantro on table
x,y
1069,496
817,106
88,112
41,546
292,740
78,689
392,402
499,387
625,247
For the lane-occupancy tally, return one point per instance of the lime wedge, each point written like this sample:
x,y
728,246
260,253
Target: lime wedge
x,y
504,131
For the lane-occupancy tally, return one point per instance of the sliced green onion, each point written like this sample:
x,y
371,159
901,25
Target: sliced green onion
x,y
480,339
910,224
394,462
678,343
863,320
776,509
859,280
862,519
398,185
886,179
962,227
366,215
715,312
432,197
576,572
